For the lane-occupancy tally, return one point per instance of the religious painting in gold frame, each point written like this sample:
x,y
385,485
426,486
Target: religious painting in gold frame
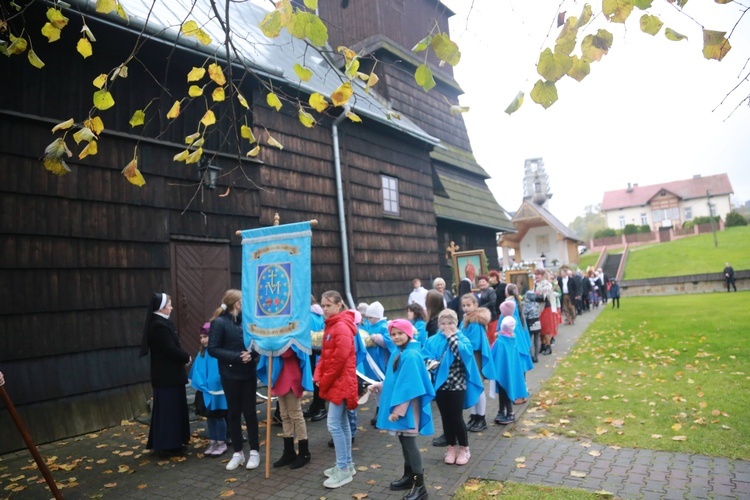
x,y
522,278
469,264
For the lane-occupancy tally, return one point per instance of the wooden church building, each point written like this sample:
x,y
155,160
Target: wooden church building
x,y
82,253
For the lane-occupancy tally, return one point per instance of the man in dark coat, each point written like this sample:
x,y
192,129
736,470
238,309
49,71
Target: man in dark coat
x,y
729,276
570,291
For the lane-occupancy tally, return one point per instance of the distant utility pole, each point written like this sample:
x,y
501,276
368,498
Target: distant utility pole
x,y
711,218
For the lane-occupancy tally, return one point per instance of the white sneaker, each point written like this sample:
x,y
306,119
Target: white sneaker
x,y
237,459
330,472
253,461
339,479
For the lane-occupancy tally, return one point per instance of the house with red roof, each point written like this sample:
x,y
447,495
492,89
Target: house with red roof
x,y
669,204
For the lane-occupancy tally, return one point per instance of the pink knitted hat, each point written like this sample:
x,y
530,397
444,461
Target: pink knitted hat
x,y
402,324
508,307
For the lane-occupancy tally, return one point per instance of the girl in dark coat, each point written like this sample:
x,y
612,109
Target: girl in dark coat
x,y
170,426
226,342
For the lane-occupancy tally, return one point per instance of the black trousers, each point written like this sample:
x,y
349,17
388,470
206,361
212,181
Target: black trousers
x,y
241,396
451,404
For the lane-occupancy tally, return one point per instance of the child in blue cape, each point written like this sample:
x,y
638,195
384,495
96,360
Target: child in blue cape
x,y
378,347
509,384
209,398
417,315
457,382
474,326
523,340
290,377
405,397
317,409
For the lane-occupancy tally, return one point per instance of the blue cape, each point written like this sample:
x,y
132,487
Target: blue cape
x,y
409,381
434,349
317,322
304,365
204,377
477,335
377,353
509,370
420,331
523,341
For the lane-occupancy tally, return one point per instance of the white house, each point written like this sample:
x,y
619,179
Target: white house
x,y
668,204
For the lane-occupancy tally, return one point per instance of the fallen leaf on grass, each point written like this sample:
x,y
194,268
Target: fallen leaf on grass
x,y
123,468
655,436
110,485
601,430
679,438
677,427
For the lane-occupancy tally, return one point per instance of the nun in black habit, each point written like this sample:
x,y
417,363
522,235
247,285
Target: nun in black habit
x,y
170,427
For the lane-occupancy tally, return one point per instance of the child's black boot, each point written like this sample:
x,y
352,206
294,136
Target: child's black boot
x,y
406,481
289,455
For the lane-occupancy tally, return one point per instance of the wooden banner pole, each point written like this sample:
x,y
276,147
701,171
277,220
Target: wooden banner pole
x,y
30,444
313,222
269,421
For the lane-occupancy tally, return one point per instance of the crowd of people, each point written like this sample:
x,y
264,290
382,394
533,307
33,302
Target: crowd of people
x,y
454,349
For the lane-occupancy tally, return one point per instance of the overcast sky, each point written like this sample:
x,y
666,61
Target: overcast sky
x,y
644,114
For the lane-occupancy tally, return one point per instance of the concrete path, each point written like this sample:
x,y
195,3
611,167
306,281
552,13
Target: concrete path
x,y
113,464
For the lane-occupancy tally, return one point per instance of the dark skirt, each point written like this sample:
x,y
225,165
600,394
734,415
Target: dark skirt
x,y
170,425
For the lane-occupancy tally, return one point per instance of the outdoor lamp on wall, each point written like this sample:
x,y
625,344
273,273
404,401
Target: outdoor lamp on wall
x,y
209,173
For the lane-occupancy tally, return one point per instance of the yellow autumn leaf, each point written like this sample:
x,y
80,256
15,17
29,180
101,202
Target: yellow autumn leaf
x,y
242,100
133,175
353,117
195,91
302,72
84,47
17,45
95,124
679,438
306,118
247,133
57,18
51,31
138,118
715,44
103,100
601,430
318,102
274,142
63,125
457,110
273,101
254,152
445,49
544,93
371,81
218,94
677,426
423,77
194,156
34,60
90,150
181,156
174,111
85,134
56,166
88,33
192,137
226,493
121,12
105,6
348,53
199,142
342,94
515,103
209,118
100,80
196,74
655,436
216,74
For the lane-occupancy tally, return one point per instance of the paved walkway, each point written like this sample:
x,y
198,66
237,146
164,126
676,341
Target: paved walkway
x,y
113,464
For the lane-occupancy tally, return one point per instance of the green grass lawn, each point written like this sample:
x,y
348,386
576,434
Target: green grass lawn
x,y
475,489
664,373
588,259
692,255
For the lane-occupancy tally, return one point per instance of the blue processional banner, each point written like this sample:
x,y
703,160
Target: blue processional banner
x,y
276,288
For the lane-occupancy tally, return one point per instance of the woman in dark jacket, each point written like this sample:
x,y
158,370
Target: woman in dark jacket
x,y
237,364
170,426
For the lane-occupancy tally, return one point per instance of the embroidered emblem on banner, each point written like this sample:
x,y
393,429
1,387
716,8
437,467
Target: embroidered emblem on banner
x,y
274,282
